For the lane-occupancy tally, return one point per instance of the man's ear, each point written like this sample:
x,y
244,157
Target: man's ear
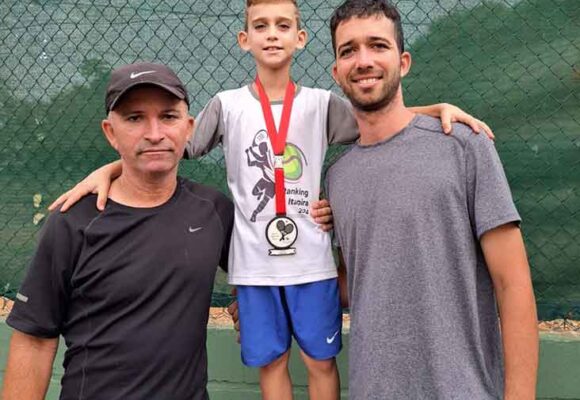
x,y
406,62
334,72
109,133
190,127
302,39
243,40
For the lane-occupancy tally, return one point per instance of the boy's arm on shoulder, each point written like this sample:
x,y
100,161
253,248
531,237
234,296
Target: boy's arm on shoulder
x,y
98,181
448,113
208,130
342,127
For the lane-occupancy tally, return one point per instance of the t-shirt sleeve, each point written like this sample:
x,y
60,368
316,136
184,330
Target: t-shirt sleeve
x,y
342,127
489,197
41,303
209,130
225,209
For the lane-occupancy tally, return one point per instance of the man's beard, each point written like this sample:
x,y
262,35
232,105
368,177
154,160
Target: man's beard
x,y
388,93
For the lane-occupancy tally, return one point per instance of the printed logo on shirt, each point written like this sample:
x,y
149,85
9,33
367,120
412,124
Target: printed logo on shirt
x,y
259,154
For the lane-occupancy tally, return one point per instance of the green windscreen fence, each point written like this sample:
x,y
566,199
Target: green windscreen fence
x,y
513,63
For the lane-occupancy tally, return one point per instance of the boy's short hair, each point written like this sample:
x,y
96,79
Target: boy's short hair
x,y
250,3
364,9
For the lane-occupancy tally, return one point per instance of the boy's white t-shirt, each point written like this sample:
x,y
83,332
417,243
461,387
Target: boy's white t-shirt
x,y
235,119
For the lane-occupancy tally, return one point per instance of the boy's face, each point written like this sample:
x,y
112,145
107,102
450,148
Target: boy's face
x,y
273,35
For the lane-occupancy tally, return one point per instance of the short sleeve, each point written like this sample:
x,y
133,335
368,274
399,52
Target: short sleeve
x,y
208,132
342,127
41,303
489,197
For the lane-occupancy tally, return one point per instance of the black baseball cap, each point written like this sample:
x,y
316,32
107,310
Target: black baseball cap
x,y
129,76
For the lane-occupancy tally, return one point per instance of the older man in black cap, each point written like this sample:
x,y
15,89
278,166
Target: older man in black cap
x,y
128,288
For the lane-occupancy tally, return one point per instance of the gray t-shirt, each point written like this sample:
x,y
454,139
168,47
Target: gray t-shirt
x,y
409,213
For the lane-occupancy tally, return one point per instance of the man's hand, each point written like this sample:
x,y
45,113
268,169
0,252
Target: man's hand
x,y
98,182
322,214
233,311
448,113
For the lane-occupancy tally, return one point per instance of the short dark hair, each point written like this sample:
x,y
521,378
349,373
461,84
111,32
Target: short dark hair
x,y
250,3
364,9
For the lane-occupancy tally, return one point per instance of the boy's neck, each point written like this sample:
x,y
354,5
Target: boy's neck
x,y
274,81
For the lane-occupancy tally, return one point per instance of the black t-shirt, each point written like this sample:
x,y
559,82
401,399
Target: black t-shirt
x,y
129,289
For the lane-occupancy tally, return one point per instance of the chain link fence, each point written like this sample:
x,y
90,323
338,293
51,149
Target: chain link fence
x,y
513,63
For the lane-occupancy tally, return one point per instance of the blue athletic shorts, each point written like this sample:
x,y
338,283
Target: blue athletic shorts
x,y
271,315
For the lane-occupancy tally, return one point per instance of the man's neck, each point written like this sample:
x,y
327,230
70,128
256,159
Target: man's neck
x,y
380,125
274,81
143,191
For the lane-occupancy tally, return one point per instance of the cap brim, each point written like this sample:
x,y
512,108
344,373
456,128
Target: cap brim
x,y
180,95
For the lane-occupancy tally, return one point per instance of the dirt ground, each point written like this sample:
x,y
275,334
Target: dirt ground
x,y
5,306
219,318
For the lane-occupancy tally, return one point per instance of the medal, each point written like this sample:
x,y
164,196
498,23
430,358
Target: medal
x,y
281,231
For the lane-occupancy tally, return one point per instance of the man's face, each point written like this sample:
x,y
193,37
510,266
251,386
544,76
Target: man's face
x,y
369,66
273,35
149,128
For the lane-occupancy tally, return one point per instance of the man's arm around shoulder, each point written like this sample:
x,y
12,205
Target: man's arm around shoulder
x,y
29,367
505,254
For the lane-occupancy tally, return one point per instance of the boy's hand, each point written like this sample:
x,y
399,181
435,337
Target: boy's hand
x,y
233,311
322,214
450,113
99,182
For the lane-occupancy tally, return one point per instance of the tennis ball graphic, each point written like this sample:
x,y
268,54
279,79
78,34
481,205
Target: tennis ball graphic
x,y
292,162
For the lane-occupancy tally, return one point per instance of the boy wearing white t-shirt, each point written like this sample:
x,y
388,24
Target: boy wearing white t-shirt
x,y
280,261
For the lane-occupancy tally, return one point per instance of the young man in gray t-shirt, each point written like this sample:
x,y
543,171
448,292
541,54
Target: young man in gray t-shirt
x,y
430,238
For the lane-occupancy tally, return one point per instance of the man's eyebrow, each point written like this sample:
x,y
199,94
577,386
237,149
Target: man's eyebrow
x,y
140,111
127,111
346,44
378,38
367,39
